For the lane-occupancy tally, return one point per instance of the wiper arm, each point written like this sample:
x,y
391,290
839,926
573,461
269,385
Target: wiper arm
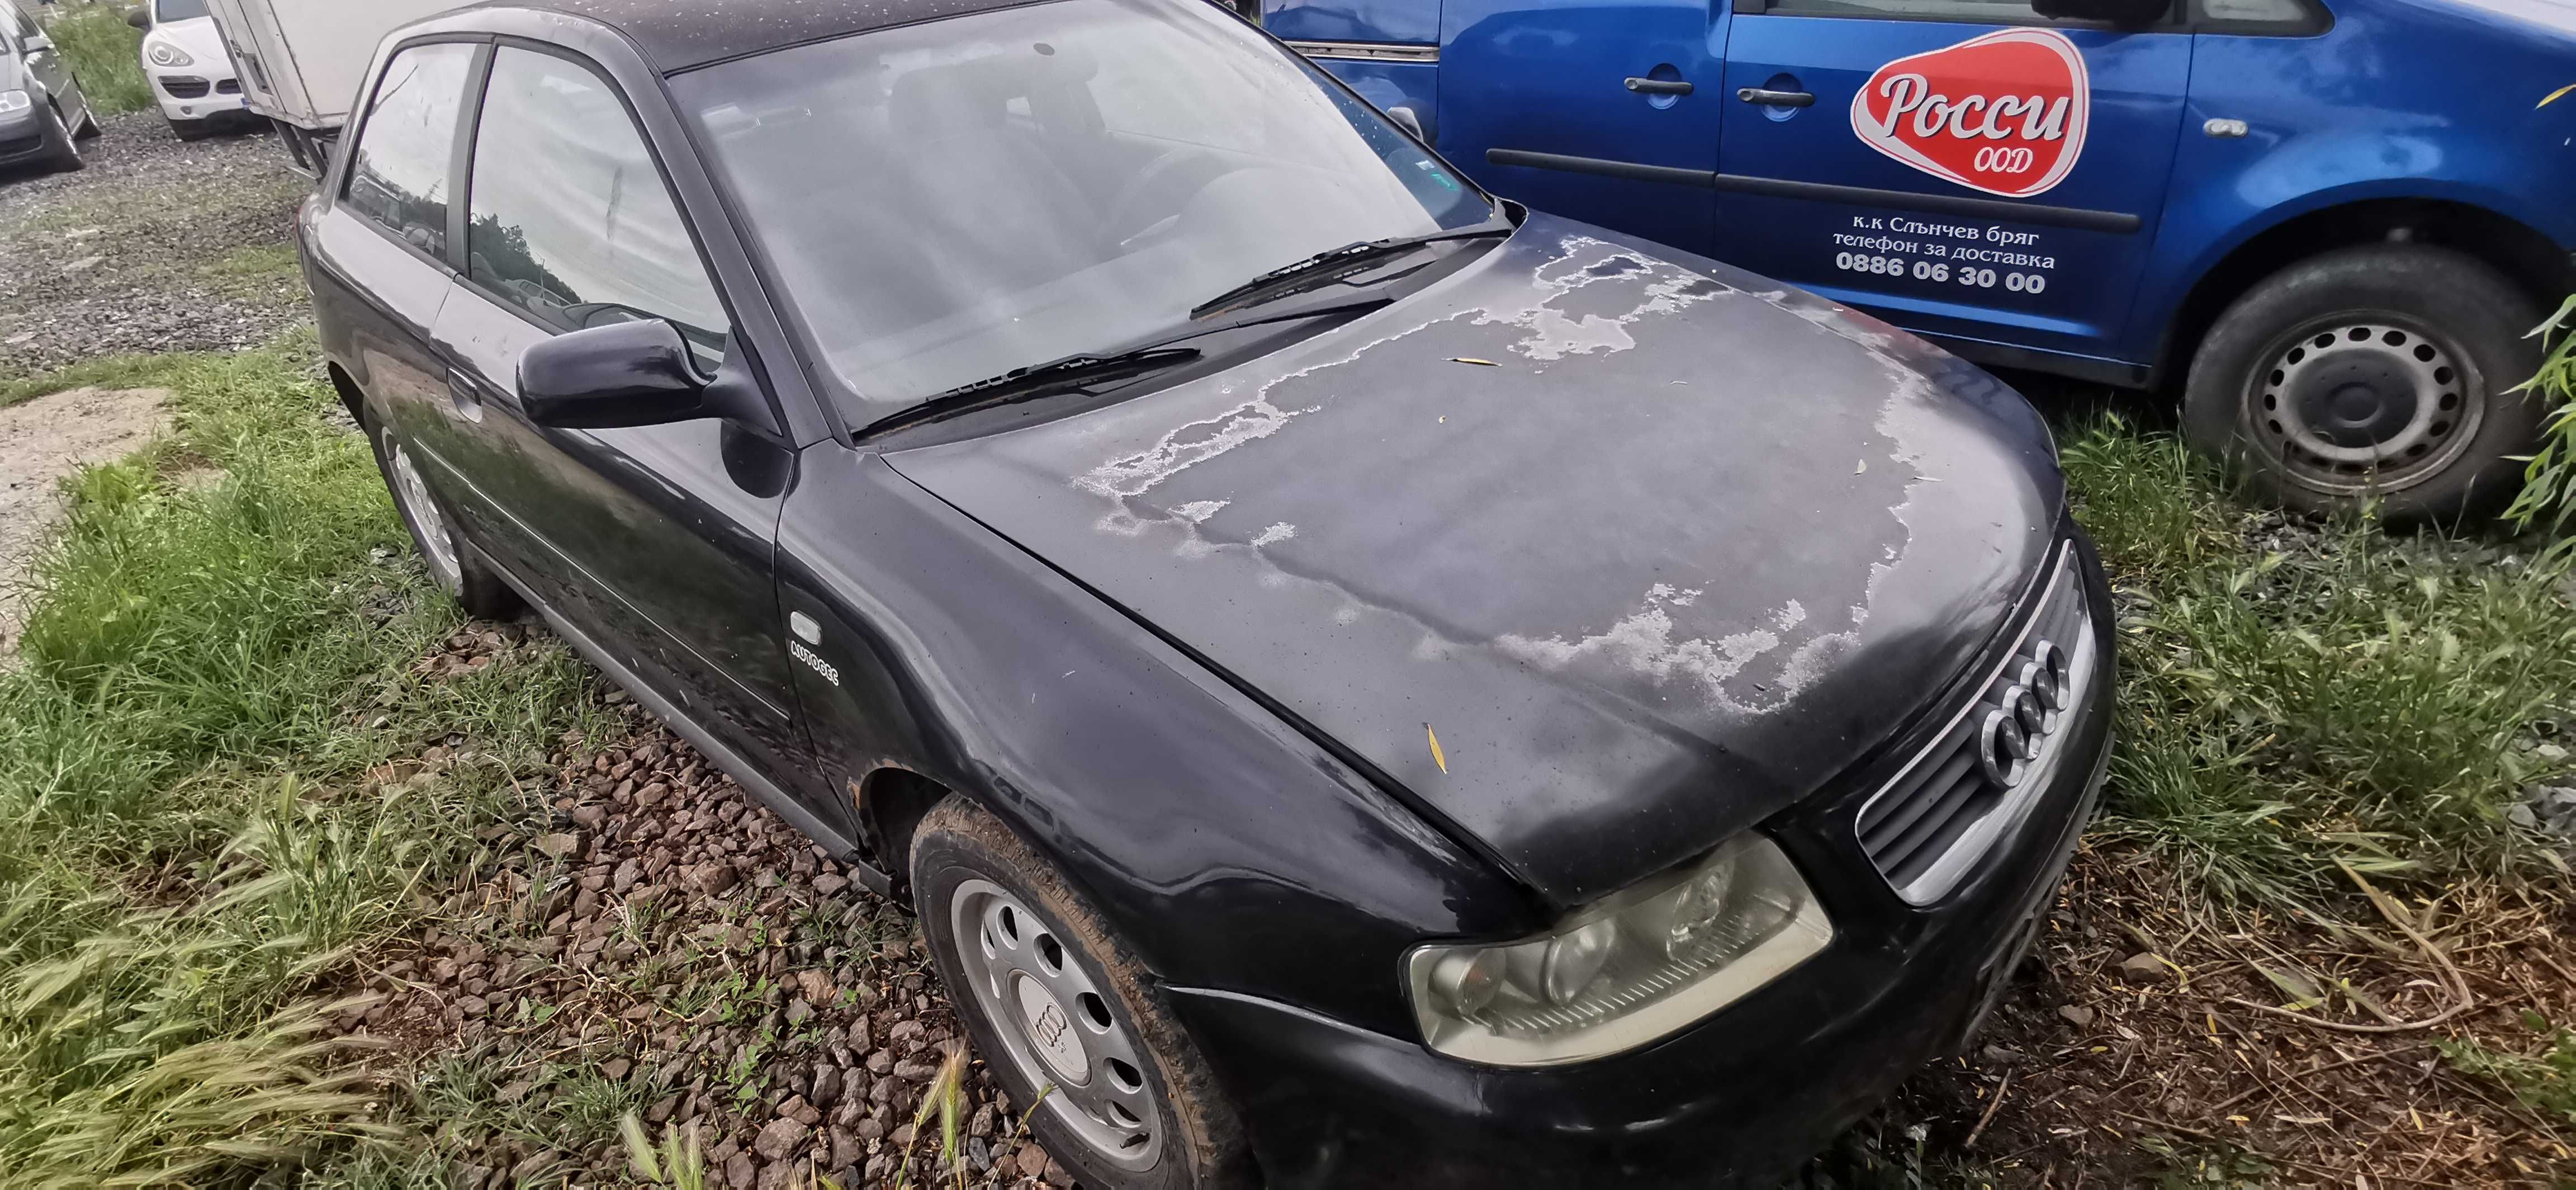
x,y
1020,384
1328,265
1057,375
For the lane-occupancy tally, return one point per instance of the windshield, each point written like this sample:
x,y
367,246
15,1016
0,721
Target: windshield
x,y
948,201
180,10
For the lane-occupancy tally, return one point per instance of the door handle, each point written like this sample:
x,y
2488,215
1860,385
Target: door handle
x,y
1646,86
465,393
1769,98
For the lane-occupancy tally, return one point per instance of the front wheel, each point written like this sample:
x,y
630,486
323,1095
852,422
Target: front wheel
x,y
1066,1015
2381,372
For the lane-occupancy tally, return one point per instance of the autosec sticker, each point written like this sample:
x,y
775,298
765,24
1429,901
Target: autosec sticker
x,y
2004,113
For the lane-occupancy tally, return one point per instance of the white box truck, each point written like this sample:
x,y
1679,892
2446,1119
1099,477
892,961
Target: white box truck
x,y
301,61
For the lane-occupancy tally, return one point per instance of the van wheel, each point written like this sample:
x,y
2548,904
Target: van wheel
x,y
458,571
2380,372
1066,1015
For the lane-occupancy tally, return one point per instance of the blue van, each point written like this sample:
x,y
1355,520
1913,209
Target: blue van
x,y
2333,222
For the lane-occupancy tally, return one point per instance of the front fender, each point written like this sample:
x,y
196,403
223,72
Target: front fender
x,y
1232,850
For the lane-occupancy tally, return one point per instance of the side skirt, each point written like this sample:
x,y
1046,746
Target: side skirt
x,y
779,801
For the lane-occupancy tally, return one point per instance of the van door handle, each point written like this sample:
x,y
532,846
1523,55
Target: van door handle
x,y
1646,86
1769,98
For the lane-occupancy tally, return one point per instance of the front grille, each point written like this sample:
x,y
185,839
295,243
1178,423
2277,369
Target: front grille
x,y
1930,824
181,86
228,87
24,144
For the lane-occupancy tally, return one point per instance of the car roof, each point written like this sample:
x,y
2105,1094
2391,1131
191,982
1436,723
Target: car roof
x,y
677,35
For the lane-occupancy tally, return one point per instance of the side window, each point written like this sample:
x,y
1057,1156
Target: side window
x,y
569,219
398,170
1989,12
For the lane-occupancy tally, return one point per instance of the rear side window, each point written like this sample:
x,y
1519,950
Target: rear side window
x,y
398,170
570,220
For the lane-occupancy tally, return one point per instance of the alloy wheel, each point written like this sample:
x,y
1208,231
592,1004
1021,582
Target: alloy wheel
x,y
2359,403
436,544
1059,1028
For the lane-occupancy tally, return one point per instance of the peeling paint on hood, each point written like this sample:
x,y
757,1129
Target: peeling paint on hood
x,y
1631,571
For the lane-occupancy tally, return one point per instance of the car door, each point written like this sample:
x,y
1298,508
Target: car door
x,y
1606,111
656,541
377,252
1966,168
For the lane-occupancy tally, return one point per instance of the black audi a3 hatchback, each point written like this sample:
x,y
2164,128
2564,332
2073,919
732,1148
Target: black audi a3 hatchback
x,y
1363,682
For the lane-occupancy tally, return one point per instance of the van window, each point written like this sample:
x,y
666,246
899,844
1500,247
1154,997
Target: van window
x,y
398,171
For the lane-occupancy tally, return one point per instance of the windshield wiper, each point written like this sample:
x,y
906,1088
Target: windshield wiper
x,y
1053,376
1334,263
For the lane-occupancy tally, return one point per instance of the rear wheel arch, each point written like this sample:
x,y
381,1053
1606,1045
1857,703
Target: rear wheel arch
x,y
2521,252
353,398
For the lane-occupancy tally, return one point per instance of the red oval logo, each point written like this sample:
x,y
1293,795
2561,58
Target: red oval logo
x,y
2004,113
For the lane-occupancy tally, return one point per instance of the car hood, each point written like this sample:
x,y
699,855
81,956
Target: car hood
x,y
1597,556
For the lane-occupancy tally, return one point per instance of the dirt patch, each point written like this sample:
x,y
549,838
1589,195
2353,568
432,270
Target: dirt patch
x,y
44,441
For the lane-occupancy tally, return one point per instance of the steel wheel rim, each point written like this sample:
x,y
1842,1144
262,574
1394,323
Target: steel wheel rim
x,y
2357,403
1057,1027
436,545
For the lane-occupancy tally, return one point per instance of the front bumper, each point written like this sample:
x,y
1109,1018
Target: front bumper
x,y
198,92
26,135
1741,1098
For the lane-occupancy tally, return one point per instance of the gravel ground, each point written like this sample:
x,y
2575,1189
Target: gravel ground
x,y
663,943
157,246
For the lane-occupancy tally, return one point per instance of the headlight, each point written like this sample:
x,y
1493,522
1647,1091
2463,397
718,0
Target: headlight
x,y
1639,965
163,53
15,101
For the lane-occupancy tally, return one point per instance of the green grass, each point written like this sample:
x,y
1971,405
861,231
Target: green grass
x,y
119,371
255,270
2543,1081
105,53
2291,697
208,671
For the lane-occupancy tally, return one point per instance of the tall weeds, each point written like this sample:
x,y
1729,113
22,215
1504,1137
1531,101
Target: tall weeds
x,y
219,648
105,53
2548,499
2296,694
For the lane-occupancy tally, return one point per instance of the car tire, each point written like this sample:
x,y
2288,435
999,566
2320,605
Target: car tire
x,y
2382,372
1027,956
66,156
453,564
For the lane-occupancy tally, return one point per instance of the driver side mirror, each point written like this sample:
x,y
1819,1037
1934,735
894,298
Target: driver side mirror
x,y
606,377
2126,14
38,43
139,16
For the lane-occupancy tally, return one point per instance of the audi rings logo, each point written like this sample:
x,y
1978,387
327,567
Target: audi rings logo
x,y
1050,1026
2018,724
